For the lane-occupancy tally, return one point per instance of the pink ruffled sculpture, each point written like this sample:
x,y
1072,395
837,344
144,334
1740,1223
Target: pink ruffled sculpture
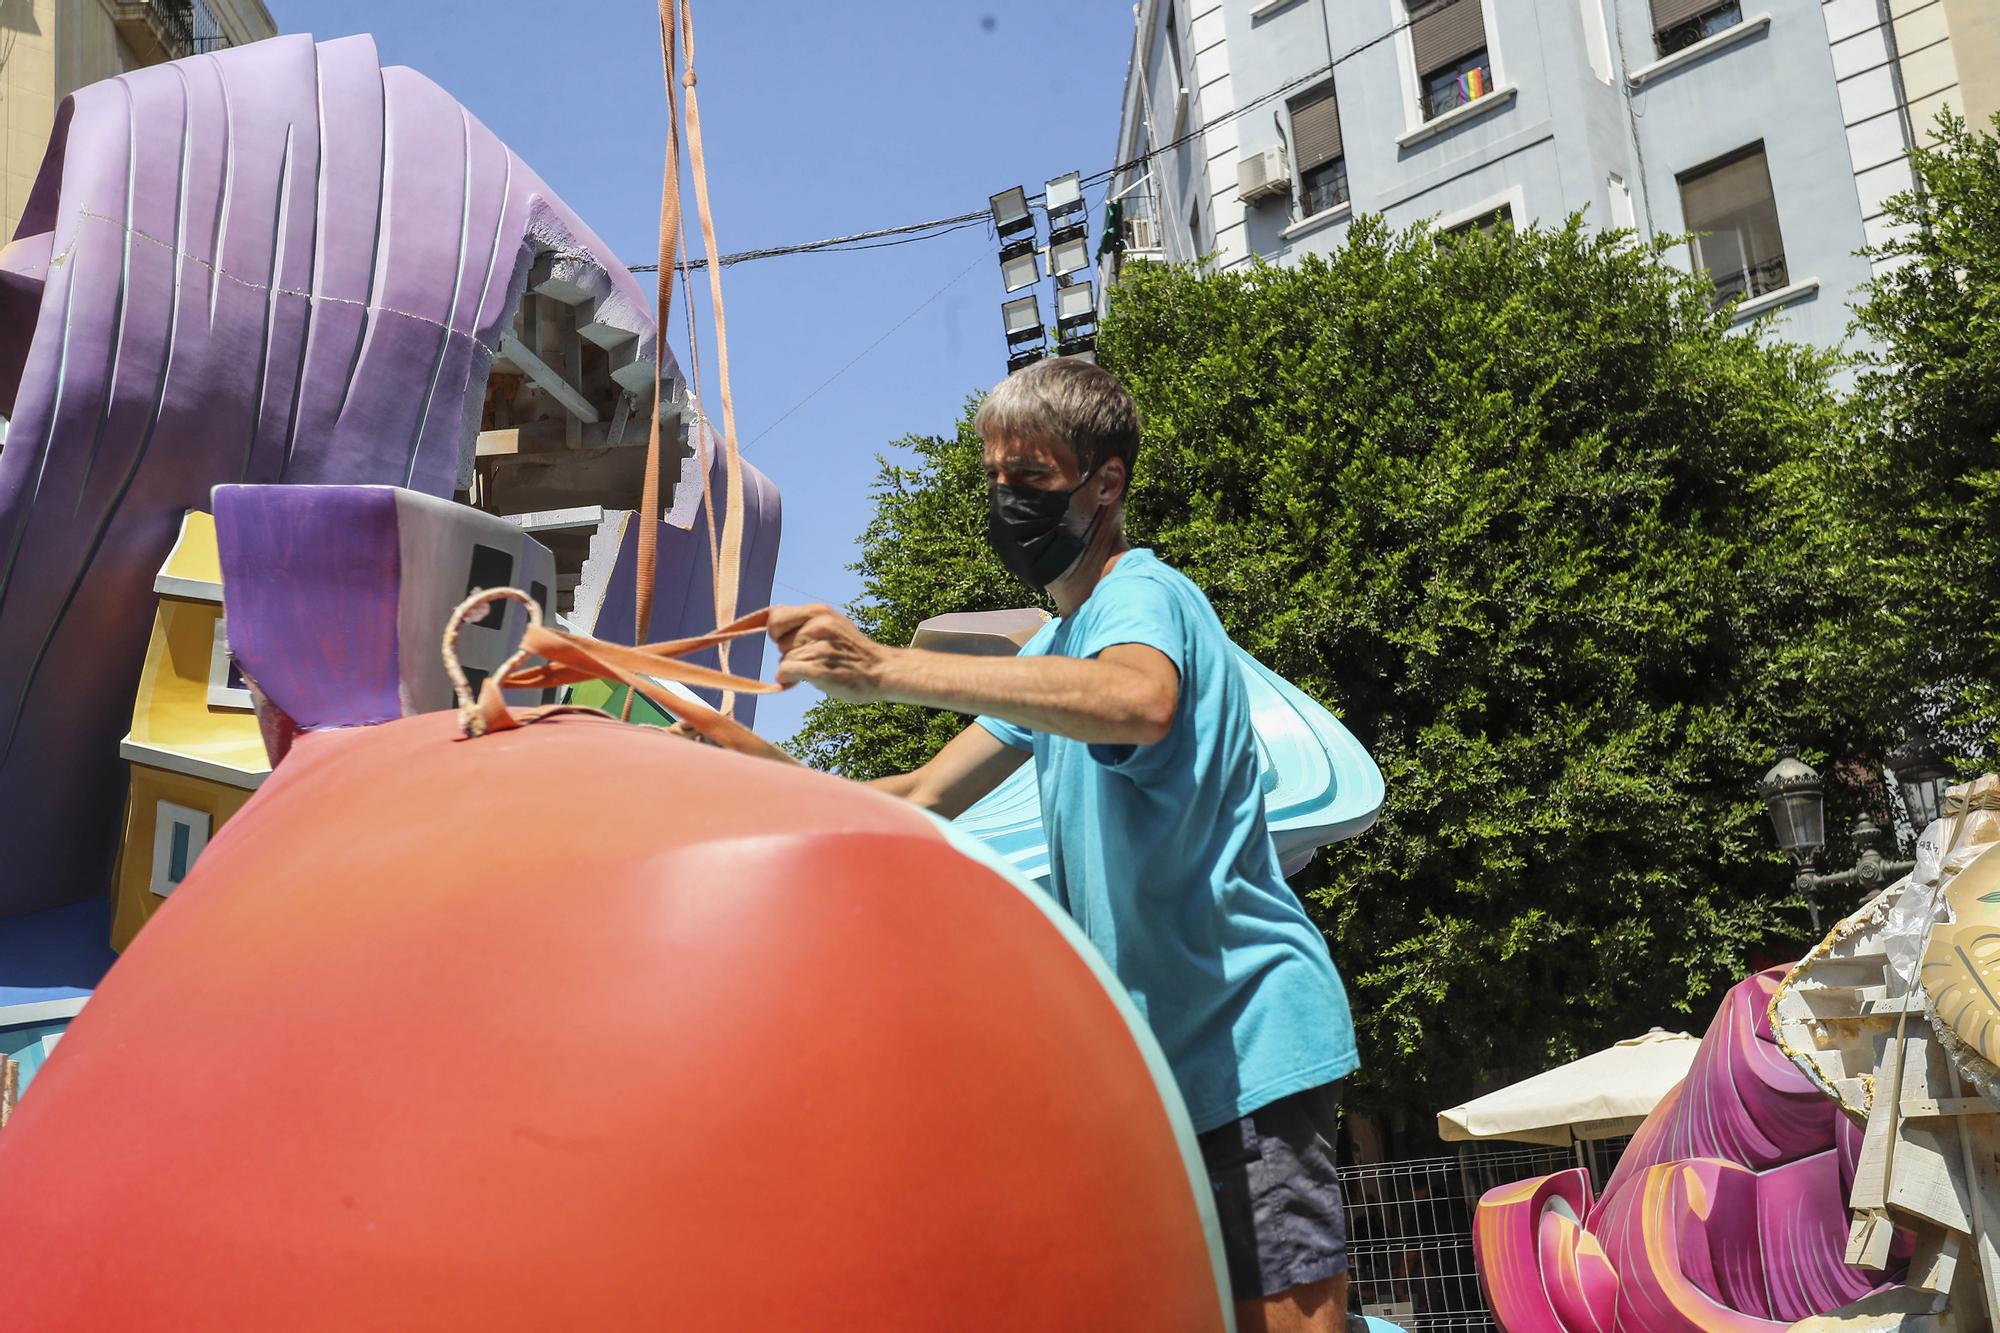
x,y
1727,1213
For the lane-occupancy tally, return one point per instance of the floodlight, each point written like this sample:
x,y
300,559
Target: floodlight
x,y
1064,194
1075,304
1083,349
1072,256
1022,317
1018,267
1025,358
1010,211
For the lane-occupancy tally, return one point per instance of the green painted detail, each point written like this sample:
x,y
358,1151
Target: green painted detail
x,y
1993,897
602,694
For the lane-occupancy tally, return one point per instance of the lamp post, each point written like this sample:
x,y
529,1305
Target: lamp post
x,y
1921,773
1796,798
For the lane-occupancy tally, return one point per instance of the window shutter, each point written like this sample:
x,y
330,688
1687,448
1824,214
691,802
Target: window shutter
x,y
1316,129
1668,13
1714,198
1445,31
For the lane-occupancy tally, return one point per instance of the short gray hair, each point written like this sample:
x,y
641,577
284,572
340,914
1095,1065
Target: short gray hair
x,y
1069,401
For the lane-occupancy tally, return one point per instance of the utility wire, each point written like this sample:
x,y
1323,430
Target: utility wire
x,y
928,301
925,231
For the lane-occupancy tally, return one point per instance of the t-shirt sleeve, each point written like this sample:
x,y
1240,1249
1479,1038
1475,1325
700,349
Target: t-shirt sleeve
x,y
1017,738
1007,733
1142,611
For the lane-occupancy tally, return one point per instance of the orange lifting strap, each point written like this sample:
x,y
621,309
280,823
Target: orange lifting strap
x,y
571,658
676,15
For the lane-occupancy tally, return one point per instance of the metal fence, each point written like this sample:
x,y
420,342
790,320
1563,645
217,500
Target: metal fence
x,y
1409,1229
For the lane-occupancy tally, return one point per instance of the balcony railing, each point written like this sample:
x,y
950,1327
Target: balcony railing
x,y
162,30
1755,280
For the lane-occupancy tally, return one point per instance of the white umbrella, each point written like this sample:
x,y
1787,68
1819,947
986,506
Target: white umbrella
x,y
1598,1097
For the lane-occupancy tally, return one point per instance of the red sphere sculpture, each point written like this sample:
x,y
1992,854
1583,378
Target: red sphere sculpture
x,y
585,1026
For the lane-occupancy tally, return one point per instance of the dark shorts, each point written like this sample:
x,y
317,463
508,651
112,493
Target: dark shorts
x,y
1284,1223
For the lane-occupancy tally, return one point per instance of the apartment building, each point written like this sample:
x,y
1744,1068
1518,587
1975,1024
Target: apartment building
x,y
50,48
1775,128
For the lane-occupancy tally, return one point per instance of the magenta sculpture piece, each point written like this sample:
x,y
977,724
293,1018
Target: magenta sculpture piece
x,y
279,263
1726,1214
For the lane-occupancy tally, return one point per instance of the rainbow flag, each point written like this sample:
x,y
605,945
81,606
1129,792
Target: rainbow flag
x,y
1475,84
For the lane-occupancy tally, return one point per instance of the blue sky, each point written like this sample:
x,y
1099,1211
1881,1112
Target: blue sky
x,y
819,120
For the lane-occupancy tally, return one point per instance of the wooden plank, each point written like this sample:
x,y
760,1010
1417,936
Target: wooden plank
x,y
10,1089
580,516
1979,1150
546,379
620,418
1945,1108
1926,1176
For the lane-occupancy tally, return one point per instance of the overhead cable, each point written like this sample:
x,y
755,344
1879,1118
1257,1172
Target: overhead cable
x,y
912,232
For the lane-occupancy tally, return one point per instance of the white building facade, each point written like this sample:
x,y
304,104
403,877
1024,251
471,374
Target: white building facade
x,y
1776,128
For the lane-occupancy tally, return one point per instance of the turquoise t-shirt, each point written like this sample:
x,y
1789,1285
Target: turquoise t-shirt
x,y
1161,854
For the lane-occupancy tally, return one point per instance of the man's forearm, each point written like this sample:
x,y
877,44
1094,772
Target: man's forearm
x,y
1087,699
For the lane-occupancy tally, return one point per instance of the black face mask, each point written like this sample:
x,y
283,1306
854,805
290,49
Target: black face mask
x,y
1027,532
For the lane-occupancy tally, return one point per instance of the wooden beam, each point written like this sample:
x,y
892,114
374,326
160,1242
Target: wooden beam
x,y
546,379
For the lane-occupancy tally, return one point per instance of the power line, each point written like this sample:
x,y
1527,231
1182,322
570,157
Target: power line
x,y
924,231
908,234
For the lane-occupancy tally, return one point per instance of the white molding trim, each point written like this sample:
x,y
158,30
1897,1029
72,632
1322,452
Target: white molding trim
x,y
173,761
1458,115
1326,217
1729,36
169,815
1514,199
1270,7
199,590
40,1011
220,695
1757,305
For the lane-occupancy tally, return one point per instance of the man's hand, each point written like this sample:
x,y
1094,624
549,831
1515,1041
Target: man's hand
x,y
822,647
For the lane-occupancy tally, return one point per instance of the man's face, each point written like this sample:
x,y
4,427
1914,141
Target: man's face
x,y
1040,465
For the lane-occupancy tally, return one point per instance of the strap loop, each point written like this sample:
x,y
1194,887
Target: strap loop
x,y
572,658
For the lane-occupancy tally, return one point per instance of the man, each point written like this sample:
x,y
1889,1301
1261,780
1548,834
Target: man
x,y
1139,725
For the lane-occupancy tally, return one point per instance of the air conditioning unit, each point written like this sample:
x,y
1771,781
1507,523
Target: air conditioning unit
x,y
1263,176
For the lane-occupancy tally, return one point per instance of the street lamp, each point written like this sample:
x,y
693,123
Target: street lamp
x,y
1796,798
1921,773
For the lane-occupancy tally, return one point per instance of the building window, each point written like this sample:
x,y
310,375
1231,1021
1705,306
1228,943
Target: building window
x,y
491,568
1194,229
1730,208
179,835
1448,39
1178,70
1679,24
1316,144
1486,224
226,686
1139,219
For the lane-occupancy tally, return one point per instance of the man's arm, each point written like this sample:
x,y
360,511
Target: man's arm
x,y
971,764
1124,696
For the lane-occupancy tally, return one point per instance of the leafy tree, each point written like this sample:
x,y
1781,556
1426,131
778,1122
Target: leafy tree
x,y
1555,541
1925,462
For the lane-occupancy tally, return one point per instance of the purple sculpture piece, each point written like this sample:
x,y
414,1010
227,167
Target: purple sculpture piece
x,y
279,263
685,606
336,599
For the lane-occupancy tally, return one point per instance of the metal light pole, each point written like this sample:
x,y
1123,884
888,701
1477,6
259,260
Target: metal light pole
x,y
1796,798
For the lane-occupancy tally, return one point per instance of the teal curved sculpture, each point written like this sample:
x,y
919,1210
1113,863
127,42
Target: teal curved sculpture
x,y
1320,785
